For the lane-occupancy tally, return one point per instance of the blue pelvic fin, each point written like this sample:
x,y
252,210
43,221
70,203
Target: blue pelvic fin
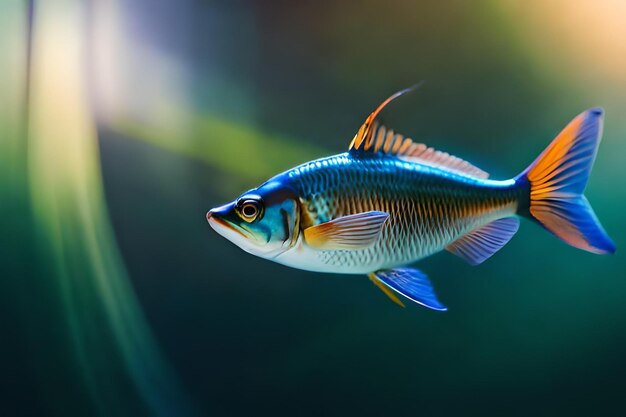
x,y
478,245
410,283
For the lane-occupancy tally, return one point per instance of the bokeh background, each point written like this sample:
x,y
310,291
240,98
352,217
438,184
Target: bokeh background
x,y
123,122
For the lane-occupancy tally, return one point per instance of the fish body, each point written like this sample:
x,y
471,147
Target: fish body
x,y
428,208
389,202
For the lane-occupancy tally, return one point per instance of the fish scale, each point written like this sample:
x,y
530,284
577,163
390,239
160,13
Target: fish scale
x,y
428,208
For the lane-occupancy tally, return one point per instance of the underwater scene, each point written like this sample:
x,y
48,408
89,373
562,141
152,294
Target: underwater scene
x,y
126,124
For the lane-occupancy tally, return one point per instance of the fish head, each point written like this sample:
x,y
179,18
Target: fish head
x,y
263,221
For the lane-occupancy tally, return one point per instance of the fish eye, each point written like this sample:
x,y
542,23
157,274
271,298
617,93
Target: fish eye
x,y
249,210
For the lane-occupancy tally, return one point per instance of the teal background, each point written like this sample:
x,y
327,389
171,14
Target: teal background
x,y
123,122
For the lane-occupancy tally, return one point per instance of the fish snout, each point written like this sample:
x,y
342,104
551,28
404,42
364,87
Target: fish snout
x,y
213,215
218,213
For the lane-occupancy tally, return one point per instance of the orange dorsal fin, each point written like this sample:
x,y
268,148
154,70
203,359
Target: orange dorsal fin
x,y
383,140
374,137
366,129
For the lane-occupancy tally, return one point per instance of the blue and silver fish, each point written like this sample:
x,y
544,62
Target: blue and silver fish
x,y
389,202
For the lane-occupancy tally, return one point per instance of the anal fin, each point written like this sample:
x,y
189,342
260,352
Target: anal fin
x,y
478,245
410,283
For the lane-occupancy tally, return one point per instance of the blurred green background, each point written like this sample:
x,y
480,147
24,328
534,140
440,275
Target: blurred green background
x,y
123,122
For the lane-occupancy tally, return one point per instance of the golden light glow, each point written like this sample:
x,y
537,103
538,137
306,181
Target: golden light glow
x,y
586,38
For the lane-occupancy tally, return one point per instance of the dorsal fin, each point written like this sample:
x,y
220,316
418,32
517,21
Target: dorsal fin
x,y
386,141
373,137
365,130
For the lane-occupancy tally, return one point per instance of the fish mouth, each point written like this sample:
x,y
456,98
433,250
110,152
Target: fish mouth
x,y
216,223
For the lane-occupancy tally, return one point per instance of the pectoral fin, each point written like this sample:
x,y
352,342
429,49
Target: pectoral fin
x,y
356,231
411,283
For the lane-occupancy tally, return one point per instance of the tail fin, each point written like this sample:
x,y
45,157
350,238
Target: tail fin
x,y
557,180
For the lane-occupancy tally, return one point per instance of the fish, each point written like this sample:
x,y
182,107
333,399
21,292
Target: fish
x,y
389,202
